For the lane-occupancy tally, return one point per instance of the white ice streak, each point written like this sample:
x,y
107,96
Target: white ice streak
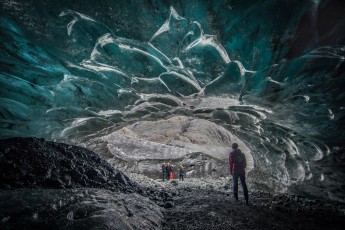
x,y
134,49
202,40
259,112
109,39
80,122
93,65
209,40
307,98
327,52
243,70
322,177
330,114
160,53
179,62
318,153
109,113
5,219
293,149
166,25
274,81
76,17
184,78
102,41
187,36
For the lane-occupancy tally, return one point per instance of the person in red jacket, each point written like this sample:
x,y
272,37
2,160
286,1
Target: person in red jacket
x,y
237,163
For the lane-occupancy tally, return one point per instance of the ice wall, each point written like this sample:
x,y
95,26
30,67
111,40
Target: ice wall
x,y
272,72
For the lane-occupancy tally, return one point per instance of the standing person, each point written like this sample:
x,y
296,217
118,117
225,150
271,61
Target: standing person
x,y
164,166
172,171
167,171
181,172
237,163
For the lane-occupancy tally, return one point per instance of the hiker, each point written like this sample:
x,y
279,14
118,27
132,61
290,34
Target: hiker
x,y
164,165
172,171
237,163
167,171
181,172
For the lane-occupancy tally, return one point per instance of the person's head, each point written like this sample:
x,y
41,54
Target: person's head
x,y
234,145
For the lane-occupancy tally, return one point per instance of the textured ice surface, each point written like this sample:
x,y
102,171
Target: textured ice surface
x,y
126,147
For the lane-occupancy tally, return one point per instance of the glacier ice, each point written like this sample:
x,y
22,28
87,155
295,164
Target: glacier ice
x,y
268,78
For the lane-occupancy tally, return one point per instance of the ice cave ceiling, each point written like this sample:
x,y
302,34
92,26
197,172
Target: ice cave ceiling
x,y
270,72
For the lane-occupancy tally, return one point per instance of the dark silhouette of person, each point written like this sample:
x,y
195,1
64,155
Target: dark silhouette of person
x,y
167,171
172,171
164,169
238,164
181,172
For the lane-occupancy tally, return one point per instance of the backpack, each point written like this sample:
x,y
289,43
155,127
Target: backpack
x,y
238,157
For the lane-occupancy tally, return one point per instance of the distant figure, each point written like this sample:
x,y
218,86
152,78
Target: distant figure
x,y
237,162
167,171
181,172
164,169
172,171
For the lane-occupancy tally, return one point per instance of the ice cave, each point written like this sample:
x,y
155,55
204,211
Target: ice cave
x,y
96,95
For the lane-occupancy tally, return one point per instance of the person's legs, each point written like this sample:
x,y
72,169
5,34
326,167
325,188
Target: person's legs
x,y
235,185
164,175
244,186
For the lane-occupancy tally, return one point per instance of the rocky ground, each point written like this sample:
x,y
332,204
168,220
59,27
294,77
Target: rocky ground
x,y
208,204
48,185
211,209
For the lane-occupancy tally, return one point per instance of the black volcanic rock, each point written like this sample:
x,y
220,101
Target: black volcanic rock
x,y
81,208
34,163
48,185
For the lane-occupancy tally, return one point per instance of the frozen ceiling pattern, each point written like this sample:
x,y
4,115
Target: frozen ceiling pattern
x,y
271,73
